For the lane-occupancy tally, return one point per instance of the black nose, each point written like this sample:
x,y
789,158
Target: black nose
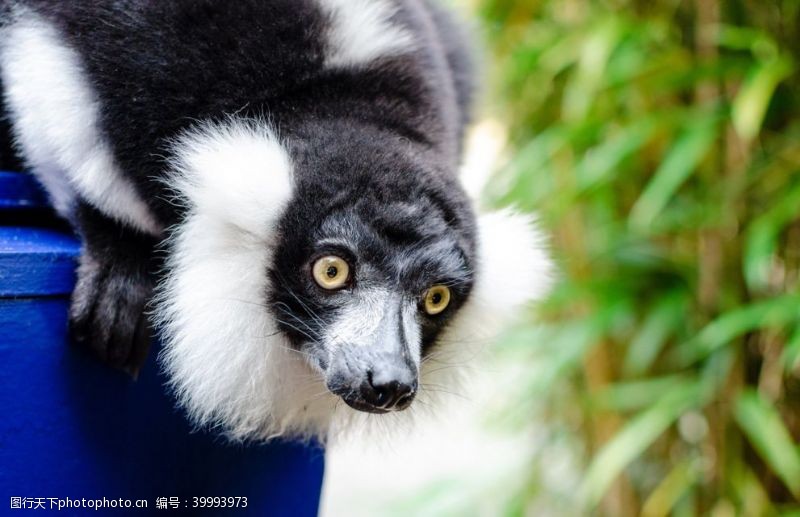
x,y
388,393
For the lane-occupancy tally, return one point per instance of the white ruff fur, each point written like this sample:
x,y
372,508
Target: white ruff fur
x,y
362,31
229,366
55,121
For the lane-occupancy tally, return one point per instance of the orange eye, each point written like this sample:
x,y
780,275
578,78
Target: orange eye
x,y
331,272
437,298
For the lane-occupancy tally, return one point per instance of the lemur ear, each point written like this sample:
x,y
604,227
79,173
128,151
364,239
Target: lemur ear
x,y
513,265
235,173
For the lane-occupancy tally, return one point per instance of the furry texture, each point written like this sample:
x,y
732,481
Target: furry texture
x,y
362,31
55,114
514,270
173,110
223,351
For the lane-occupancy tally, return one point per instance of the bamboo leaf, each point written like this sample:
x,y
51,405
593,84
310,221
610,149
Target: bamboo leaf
x,y
681,160
764,427
754,499
769,313
747,38
670,490
602,162
633,395
791,352
637,435
762,238
751,103
652,336
596,50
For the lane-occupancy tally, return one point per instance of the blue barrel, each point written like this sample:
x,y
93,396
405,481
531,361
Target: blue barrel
x,y
73,428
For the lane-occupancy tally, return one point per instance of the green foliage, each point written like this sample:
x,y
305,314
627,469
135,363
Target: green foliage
x,y
659,141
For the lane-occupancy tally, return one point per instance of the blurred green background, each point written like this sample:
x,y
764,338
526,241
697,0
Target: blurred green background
x,y
659,143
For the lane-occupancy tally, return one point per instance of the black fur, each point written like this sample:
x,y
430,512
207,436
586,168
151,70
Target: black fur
x,y
115,281
9,160
367,143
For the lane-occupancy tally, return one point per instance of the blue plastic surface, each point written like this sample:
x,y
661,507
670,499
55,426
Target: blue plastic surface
x,y
36,262
71,427
19,190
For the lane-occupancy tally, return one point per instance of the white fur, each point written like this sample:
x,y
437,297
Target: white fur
x,y
362,31
54,114
228,364
514,267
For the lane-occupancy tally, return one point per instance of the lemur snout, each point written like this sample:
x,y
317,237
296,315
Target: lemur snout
x,y
388,392
383,387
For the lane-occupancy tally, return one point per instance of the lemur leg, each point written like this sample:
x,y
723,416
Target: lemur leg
x,y
115,282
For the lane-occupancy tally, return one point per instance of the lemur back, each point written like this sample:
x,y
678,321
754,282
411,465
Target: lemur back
x,y
154,69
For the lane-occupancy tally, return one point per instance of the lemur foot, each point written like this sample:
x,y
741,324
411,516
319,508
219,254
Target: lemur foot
x,y
107,315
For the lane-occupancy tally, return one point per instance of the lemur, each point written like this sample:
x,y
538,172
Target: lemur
x,y
272,185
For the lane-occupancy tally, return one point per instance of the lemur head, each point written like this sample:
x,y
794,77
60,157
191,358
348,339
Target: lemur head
x,y
313,270
368,273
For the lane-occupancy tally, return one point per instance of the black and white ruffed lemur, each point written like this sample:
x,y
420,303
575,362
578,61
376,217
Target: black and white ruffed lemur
x,y
273,185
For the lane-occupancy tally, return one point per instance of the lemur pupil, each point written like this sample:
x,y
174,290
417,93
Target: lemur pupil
x,y
436,298
332,272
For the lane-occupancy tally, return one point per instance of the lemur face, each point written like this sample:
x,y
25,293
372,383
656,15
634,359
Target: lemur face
x,y
364,294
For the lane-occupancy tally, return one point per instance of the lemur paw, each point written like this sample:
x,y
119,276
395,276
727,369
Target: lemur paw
x,y
107,315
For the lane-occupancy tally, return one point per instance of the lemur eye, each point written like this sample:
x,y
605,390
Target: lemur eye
x,y
331,272
436,299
